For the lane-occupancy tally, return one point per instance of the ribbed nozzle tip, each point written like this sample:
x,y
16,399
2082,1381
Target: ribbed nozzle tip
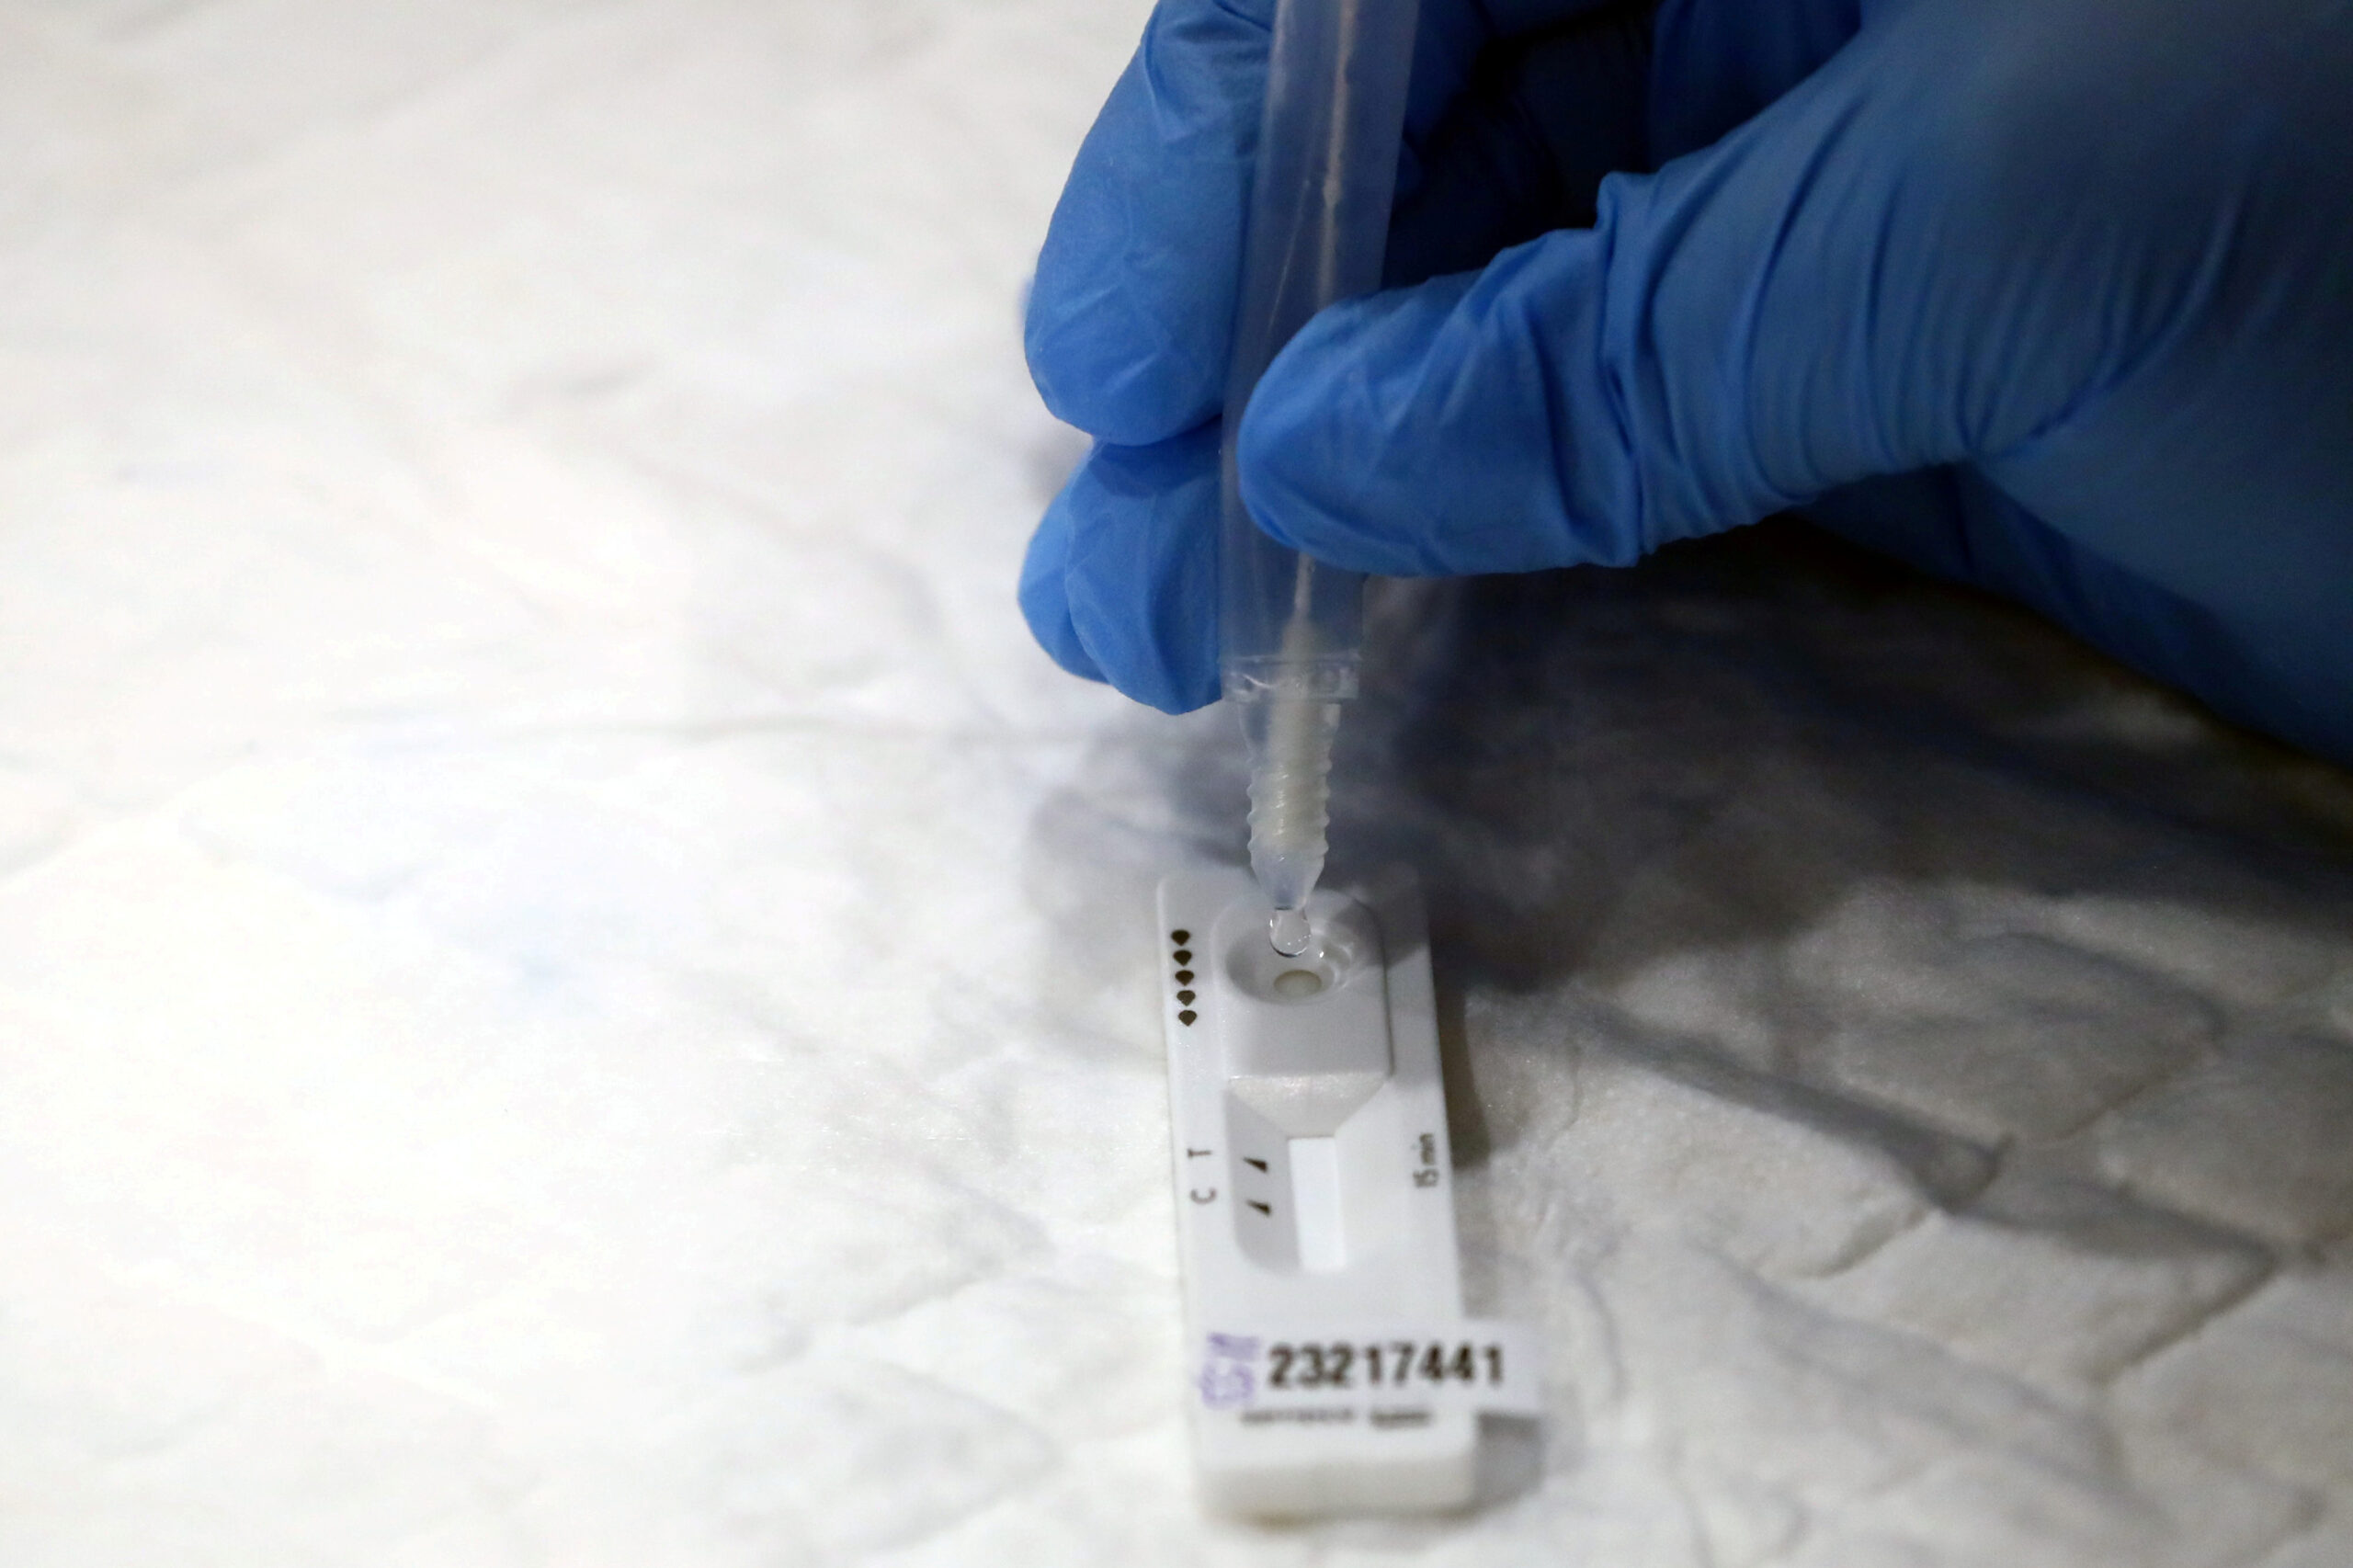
x,y
1287,929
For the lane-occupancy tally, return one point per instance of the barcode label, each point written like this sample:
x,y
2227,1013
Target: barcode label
x,y
1389,1376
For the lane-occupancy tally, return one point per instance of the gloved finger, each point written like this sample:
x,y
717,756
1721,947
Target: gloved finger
x,y
1045,602
1131,317
1826,294
1131,313
1120,581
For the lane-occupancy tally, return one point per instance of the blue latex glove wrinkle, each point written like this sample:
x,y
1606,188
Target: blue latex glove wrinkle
x,y
2051,297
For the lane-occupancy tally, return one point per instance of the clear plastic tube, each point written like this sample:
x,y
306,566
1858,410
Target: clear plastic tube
x,y
1290,627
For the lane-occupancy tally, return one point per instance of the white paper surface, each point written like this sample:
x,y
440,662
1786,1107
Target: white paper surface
x,y
572,990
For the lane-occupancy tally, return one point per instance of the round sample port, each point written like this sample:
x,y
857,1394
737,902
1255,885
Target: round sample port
x,y
1342,942
1297,984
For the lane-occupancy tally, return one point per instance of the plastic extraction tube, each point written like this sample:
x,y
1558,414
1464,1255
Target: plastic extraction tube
x,y
1290,627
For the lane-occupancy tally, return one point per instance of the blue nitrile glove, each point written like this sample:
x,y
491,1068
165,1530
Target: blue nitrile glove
x,y
2051,296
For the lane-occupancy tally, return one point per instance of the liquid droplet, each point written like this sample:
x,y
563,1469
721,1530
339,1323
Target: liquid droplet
x,y
1288,930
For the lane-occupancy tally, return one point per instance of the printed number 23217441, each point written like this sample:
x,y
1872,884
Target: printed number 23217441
x,y
1394,1364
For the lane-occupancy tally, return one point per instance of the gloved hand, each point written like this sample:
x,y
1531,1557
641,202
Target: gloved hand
x,y
2050,296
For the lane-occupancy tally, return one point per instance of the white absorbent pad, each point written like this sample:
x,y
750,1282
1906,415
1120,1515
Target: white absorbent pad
x,y
574,991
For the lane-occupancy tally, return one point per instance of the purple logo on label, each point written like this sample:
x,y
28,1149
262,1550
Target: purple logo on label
x,y
1229,1373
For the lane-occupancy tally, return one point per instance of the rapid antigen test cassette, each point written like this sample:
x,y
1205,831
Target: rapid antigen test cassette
x,y
1330,1368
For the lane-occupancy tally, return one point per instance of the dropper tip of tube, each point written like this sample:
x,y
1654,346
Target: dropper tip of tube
x,y
1288,930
